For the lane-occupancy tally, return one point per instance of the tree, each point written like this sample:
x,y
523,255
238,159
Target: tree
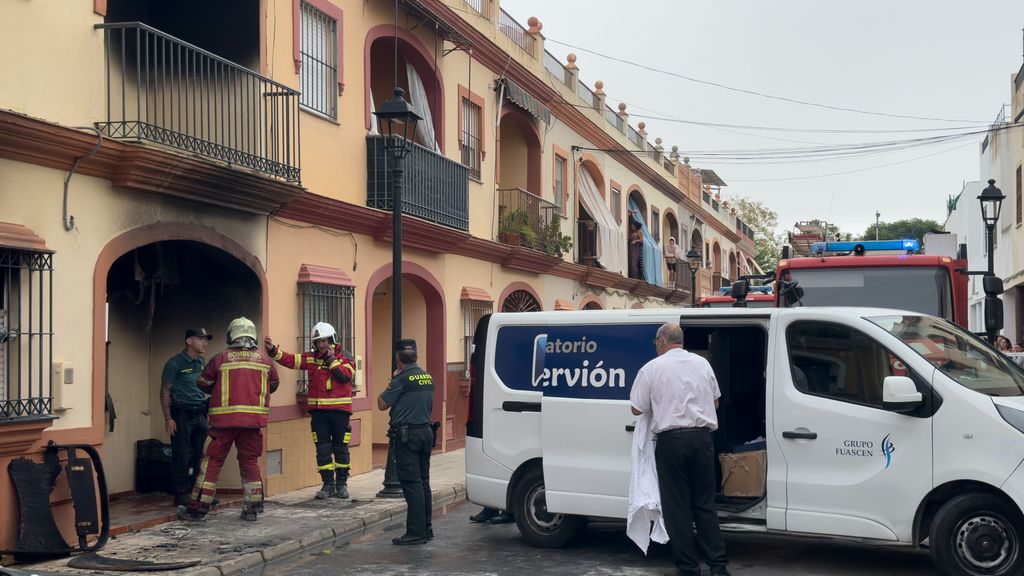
x,y
914,228
835,234
763,222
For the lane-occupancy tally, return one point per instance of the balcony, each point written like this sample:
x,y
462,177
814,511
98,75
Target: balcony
x,y
434,187
164,90
529,221
586,238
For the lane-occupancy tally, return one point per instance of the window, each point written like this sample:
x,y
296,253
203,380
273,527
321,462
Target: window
x,y
656,225
319,61
472,312
470,137
331,303
1018,198
617,205
561,194
26,333
839,362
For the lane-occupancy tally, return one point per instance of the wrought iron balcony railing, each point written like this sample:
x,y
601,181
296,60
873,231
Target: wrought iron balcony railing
x,y
525,219
586,238
434,187
165,90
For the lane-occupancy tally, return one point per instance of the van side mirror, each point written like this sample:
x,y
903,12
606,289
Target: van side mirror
x,y
740,289
993,285
899,394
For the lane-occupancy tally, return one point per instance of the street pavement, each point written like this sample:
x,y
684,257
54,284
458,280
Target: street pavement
x,y
293,522
462,548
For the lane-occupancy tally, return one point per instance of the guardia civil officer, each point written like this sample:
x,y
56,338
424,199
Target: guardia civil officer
x,y
410,396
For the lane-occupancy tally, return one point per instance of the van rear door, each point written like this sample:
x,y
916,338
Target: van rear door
x,y
586,372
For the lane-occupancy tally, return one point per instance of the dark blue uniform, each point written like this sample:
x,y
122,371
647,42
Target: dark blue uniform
x,y
411,398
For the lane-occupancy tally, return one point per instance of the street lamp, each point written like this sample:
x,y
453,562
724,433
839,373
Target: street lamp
x,y
991,200
399,127
693,257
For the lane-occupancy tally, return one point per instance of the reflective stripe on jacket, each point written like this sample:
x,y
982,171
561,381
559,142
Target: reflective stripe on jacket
x,y
325,392
241,382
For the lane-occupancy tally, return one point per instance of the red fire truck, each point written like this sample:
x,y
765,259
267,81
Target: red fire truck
x,y
856,274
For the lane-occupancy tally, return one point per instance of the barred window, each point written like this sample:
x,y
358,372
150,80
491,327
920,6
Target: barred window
x,y
471,137
472,312
26,333
561,198
329,303
319,53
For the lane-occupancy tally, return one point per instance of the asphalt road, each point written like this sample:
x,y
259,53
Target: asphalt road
x,y
463,548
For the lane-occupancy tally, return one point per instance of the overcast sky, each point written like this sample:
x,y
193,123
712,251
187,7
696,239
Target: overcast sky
x,y
945,59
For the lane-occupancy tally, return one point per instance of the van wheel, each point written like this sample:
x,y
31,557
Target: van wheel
x,y
538,526
977,535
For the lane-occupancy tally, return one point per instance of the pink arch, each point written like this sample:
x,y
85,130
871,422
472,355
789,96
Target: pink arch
x,y
515,116
591,298
418,55
518,286
433,294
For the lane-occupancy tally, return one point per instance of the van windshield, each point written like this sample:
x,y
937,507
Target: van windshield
x,y
956,353
923,289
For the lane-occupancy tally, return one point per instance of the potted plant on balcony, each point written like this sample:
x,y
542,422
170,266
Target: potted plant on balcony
x,y
553,241
514,228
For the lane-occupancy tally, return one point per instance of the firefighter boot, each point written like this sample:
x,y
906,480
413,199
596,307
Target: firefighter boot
x,y
327,490
249,512
341,489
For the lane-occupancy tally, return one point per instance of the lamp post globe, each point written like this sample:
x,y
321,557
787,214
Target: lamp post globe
x,y
694,259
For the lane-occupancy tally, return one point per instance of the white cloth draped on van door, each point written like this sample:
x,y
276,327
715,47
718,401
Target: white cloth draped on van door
x,y
611,243
420,105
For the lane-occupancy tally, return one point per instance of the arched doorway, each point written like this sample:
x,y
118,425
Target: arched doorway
x,y
587,172
591,302
519,151
671,229
637,197
733,272
716,267
150,285
423,319
416,74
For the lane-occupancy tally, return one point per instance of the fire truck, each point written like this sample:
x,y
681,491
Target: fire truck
x,y
757,297
881,273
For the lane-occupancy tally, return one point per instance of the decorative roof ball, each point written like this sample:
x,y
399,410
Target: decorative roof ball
x,y
641,126
599,85
675,149
686,159
622,107
571,58
657,141
534,23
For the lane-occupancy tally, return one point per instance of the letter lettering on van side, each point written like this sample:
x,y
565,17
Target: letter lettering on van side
x,y
617,378
571,376
554,375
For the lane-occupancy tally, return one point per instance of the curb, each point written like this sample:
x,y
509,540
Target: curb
x,y
344,530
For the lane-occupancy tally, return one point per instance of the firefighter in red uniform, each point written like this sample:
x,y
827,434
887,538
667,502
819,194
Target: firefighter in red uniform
x,y
240,381
330,373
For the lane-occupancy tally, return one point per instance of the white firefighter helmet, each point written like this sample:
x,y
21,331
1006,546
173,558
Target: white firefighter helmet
x,y
241,328
323,330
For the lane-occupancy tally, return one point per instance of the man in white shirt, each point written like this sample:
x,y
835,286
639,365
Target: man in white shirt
x,y
680,392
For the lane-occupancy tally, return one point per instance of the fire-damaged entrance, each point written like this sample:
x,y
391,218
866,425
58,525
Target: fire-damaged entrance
x,y
154,292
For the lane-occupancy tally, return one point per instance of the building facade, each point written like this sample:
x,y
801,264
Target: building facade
x,y
164,168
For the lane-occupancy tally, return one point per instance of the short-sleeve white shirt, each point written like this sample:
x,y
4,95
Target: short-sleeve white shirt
x,y
679,389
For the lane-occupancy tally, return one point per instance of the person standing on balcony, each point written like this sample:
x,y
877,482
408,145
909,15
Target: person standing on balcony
x,y
636,248
330,372
671,258
184,408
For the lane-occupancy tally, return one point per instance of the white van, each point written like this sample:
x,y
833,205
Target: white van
x,y
878,425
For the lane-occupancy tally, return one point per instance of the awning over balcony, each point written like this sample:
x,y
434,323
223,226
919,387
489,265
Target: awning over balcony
x,y
516,95
611,242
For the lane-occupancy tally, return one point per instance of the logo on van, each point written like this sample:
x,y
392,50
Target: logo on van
x,y
887,449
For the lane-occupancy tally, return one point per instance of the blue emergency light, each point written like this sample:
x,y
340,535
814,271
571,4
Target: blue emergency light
x,y
862,246
727,290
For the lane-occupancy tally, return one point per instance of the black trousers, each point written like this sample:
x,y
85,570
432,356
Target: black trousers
x,y
187,448
331,434
685,459
412,462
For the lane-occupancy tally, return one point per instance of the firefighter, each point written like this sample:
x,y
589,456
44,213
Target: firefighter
x,y
240,381
329,371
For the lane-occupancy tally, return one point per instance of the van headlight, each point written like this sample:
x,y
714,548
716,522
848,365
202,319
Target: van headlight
x,y
1012,416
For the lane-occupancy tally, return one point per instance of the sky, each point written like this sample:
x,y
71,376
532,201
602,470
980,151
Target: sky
x,y
939,59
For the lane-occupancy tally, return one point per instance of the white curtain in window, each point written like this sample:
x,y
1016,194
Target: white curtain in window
x,y
611,243
373,114
418,99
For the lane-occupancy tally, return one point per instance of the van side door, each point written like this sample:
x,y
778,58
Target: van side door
x,y
852,468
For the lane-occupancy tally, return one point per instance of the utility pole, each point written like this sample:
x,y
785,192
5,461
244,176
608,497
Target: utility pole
x,y
877,214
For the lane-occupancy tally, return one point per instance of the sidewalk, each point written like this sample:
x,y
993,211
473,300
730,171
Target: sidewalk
x,y
292,522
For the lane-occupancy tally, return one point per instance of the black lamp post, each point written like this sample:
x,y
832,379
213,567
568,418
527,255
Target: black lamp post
x,y
991,200
694,259
399,127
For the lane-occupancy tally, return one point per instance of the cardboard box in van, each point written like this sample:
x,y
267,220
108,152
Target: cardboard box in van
x,y
744,473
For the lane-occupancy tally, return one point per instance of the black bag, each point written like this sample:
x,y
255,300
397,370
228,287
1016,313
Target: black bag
x,y
434,426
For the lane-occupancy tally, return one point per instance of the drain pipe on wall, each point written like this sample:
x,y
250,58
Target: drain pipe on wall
x,y
69,220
